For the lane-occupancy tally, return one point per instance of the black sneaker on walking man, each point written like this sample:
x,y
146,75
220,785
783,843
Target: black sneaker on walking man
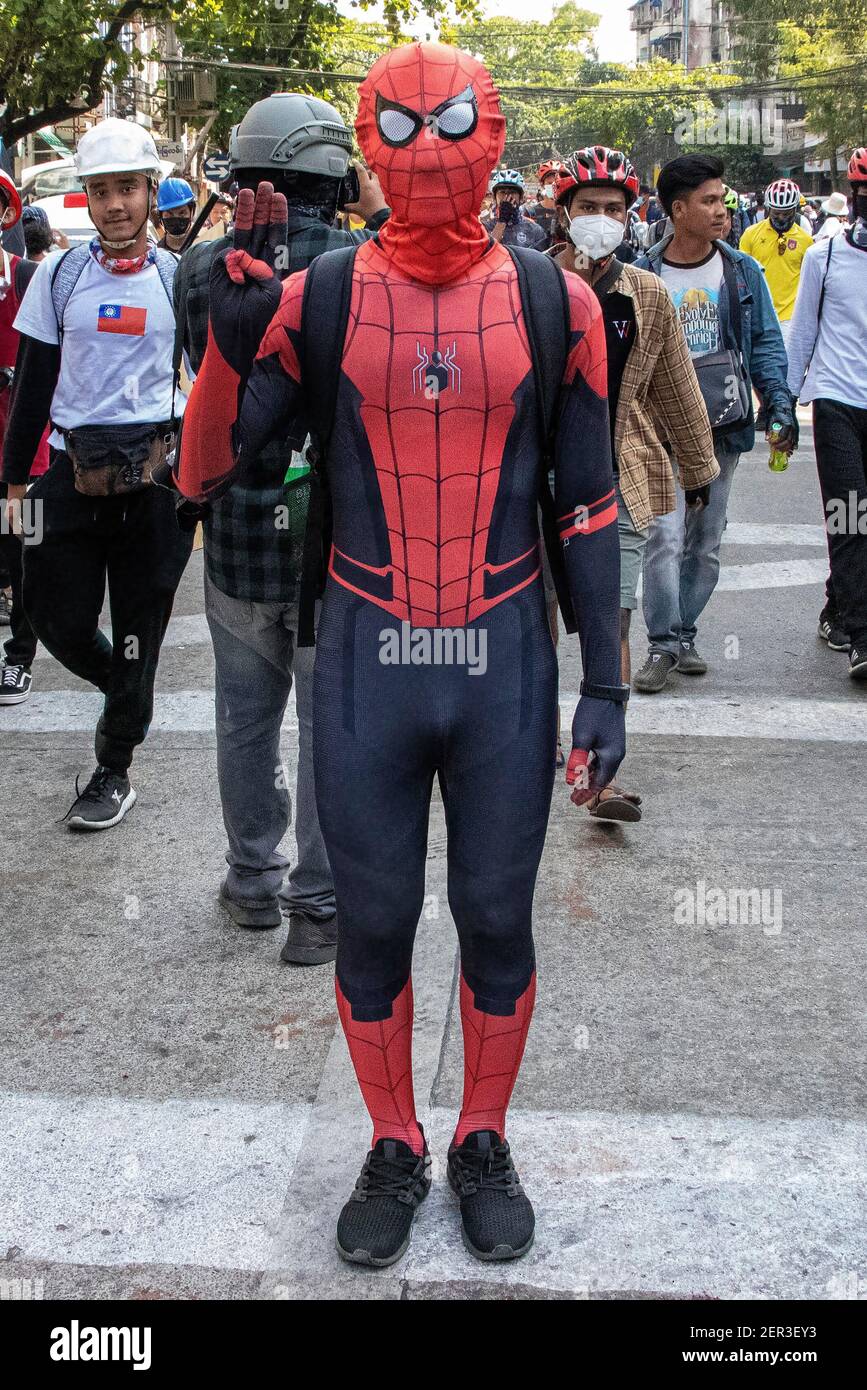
x,y
97,327
254,548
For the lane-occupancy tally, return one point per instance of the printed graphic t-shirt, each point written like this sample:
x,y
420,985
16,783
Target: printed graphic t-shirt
x,y
118,335
696,291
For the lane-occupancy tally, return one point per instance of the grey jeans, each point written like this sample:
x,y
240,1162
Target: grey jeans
x,y
681,561
255,646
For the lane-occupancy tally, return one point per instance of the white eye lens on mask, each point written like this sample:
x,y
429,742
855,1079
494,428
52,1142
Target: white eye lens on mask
x,y
457,119
596,236
396,126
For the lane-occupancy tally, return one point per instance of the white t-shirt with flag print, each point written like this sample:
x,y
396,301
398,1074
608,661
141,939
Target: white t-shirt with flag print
x,y
118,336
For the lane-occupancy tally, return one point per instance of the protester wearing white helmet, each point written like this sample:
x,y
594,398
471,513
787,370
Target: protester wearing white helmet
x,y
779,244
118,164
97,328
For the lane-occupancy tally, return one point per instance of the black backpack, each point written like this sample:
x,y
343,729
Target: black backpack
x,y
324,321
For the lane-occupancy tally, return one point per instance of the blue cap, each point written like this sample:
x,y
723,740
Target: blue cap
x,y
174,193
34,214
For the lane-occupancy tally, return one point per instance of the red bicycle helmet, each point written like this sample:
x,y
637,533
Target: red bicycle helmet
x,y
857,170
13,198
550,166
597,165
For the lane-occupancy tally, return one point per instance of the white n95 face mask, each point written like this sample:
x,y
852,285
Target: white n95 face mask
x,y
596,236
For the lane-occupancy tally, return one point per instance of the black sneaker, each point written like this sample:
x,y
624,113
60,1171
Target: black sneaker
x,y
103,803
497,1221
375,1226
831,632
688,660
310,942
252,912
858,663
14,684
654,673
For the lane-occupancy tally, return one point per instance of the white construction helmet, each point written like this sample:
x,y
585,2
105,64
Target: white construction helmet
x,y
117,147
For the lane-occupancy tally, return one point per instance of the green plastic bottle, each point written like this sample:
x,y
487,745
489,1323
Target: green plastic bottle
x,y
295,473
778,461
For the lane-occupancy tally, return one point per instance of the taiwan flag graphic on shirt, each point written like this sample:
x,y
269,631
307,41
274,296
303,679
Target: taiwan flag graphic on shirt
x,y
122,318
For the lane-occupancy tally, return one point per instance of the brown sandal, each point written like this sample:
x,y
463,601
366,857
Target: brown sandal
x,y
613,803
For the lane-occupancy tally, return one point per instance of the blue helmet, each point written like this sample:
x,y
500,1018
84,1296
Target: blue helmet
x,y
174,193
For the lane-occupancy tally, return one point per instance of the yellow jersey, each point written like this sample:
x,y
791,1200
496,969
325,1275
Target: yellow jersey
x,y
781,254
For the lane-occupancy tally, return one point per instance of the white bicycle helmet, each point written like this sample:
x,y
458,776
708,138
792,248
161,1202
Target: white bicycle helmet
x,y
782,196
506,178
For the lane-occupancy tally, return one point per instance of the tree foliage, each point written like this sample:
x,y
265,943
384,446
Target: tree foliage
x,y
58,57
822,46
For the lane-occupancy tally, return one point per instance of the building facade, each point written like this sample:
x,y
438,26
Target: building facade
x,y
696,33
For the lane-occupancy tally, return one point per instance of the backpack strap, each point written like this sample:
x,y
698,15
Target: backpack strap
x,y
179,283
731,283
824,283
167,265
64,278
324,321
545,302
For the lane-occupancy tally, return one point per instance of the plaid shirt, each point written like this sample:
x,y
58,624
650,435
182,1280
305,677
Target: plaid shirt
x,y
660,403
248,555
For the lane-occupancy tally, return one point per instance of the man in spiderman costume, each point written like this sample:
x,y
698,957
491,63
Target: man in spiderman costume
x,y
435,526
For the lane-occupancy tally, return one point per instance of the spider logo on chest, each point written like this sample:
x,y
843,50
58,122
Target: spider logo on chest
x,y
436,372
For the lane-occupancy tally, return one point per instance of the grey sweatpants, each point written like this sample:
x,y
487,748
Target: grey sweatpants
x,y
255,646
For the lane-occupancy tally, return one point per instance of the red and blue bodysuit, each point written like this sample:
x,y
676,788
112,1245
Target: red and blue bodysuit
x,y
434,471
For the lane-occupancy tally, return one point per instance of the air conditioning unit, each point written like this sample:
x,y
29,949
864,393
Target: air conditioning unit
x,y
193,90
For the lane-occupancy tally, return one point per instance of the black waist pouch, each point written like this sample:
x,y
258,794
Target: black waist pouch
x,y
111,459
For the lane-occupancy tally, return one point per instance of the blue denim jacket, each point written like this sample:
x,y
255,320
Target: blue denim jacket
x,y
763,352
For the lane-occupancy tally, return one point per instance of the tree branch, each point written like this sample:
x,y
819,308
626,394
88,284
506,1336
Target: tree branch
x,y
199,143
14,128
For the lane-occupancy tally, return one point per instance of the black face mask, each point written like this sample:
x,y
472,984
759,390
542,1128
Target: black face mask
x,y
857,233
176,226
782,221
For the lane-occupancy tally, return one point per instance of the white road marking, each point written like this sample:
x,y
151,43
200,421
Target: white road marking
x,y
192,712
838,721
624,1202
109,1181
671,1204
772,574
782,533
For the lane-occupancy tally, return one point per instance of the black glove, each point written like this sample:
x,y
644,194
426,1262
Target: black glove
x,y
598,746
244,286
7,375
507,212
694,495
789,433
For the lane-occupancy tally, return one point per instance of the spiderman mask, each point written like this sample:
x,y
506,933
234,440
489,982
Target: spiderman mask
x,y
430,126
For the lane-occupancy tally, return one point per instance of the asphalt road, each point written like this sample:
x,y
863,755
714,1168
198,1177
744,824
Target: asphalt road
x,y
179,1118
